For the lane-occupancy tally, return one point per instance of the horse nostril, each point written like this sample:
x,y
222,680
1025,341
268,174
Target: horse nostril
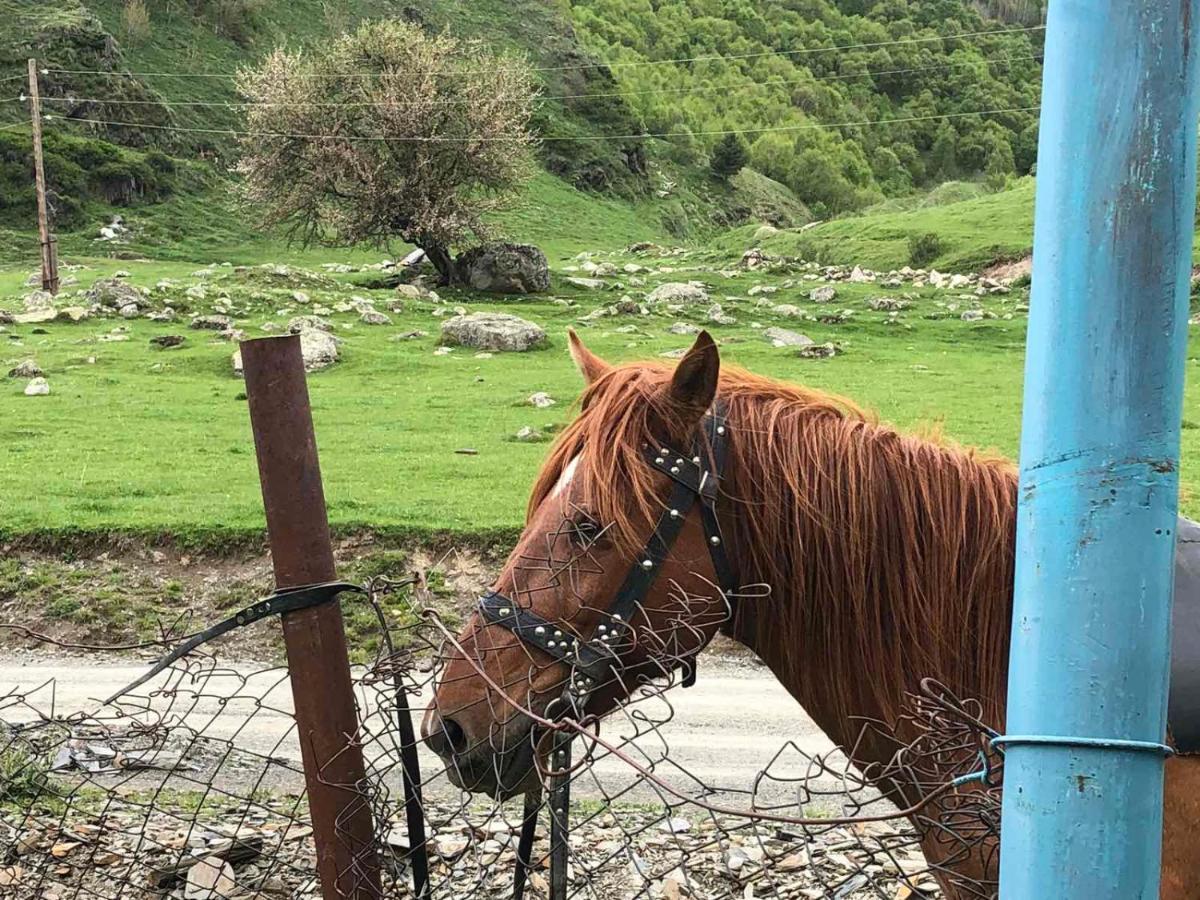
x,y
444,736
455,735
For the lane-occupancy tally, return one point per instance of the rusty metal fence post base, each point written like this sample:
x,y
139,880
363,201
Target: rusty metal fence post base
x,y
318,660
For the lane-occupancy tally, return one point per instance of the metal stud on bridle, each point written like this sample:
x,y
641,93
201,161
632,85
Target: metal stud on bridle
x,y
593,660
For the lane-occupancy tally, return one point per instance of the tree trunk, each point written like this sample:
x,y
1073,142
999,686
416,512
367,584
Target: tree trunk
x,y
442,261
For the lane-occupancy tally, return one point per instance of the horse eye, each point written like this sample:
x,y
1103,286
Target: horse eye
x,y
585,530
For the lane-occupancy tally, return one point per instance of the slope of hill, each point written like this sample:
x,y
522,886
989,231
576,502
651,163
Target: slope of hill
x,y
635,96
845,102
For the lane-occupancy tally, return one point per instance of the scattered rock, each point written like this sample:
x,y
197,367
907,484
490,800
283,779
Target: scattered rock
x,y
753,258
27,368
409,291
541,400
113,293
300,324
34,316
129,311
972,315
888,304
450,846
212,323
822,294
788,310
502,268
675,354
679,292
167,341
860,276
683,328
765,231
72,314
530,435
836,318
209,879
589,284
717,316
781,337
819,351
373,317
319,349
37,387
38,300
493,331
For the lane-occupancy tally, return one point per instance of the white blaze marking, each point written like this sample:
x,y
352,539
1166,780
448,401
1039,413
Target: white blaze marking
x,y
565,478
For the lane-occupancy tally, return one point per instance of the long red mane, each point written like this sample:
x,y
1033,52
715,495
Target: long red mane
x,y
889,555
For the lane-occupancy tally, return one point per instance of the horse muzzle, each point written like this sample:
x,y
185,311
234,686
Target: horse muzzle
x,y
500,768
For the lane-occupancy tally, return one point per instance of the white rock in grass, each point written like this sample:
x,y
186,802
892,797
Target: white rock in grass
x,y
493,331
37,387
679,292
541,400
782,337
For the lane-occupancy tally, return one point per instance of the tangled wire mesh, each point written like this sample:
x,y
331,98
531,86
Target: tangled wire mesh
x,y
190,786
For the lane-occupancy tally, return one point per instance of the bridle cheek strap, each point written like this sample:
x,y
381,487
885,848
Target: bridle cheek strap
x,y
695,479
593,660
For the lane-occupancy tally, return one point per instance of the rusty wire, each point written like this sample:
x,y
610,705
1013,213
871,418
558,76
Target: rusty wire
x,y
199,769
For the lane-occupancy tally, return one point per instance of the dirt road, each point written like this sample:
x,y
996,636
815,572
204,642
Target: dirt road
x,y
723,731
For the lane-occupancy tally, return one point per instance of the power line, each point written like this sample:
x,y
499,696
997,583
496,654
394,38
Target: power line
x,y
780,82
612,65
435,139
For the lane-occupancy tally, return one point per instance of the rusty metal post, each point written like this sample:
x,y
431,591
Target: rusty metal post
x,y
318,662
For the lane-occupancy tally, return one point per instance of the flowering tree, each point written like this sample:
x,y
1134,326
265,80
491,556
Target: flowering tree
x,y
386,133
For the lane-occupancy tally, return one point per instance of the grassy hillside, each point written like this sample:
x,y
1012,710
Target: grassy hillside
x,y
972,232
608,71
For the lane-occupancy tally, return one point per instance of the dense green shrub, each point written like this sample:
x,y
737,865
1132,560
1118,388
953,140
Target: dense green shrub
x,y
79,170
924,249
729,156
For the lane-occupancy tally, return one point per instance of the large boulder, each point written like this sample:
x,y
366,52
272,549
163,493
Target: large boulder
x,y
679,292
504,269
493,331
318,348
114,293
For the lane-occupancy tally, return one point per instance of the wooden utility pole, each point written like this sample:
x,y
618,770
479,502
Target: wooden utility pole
x,y
48,241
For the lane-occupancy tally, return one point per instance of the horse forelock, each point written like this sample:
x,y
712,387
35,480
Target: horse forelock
x,y
889,555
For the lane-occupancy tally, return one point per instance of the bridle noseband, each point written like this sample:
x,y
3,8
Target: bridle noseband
x,y
593,660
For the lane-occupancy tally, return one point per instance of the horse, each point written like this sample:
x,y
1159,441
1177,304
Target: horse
x,y
889,557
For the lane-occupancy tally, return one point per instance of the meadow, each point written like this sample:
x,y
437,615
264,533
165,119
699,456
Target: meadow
x,y
135,440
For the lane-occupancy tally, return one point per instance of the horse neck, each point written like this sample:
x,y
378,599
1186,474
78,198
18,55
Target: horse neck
x,y
896,566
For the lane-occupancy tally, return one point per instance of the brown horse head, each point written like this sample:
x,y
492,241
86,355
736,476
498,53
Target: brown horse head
x,y
888,556
590,517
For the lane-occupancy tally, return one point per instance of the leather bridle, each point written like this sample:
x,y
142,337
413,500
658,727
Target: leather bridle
x,y
696,479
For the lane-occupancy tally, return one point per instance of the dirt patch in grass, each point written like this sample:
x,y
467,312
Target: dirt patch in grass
x,y
118,597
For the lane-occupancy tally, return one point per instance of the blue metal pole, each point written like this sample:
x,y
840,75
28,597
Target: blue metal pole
x,y
1082,817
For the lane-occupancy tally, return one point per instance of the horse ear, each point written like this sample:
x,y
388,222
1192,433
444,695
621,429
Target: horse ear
x,y
590,366
694,383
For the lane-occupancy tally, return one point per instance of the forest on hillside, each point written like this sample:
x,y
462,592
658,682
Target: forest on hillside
x,y
844,102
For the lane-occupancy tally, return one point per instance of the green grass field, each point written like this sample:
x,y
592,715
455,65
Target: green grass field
x,y
157,442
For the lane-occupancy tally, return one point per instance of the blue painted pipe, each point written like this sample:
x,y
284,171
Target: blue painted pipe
x,y
1082,819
